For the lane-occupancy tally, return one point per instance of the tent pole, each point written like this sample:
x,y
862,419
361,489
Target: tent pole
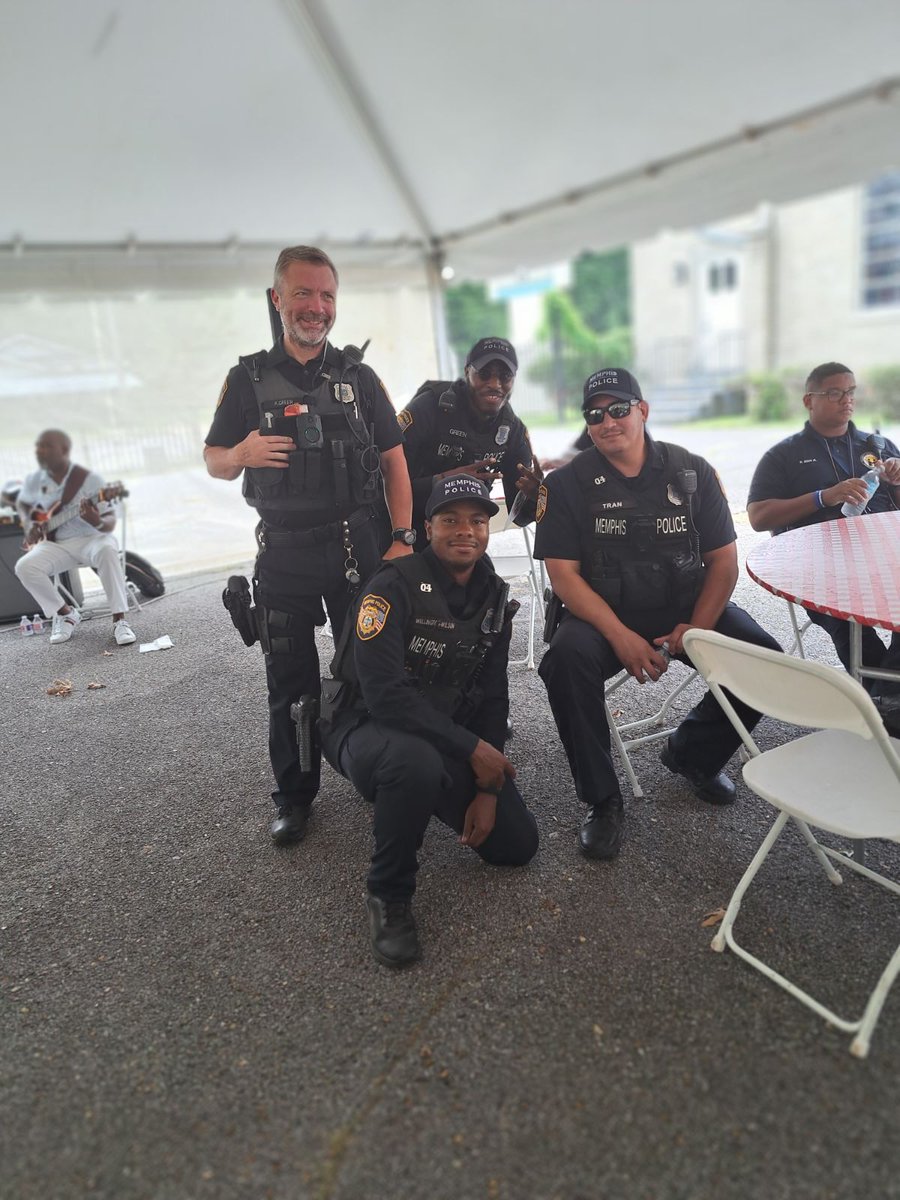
x,y
434,263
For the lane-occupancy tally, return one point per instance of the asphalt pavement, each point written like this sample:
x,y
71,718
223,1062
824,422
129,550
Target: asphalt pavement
x,y
188,1012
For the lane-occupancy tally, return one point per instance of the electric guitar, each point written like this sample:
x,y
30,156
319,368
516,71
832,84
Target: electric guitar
x,y
49,520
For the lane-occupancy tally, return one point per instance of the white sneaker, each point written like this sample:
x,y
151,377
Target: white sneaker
x,y
64,625
123,633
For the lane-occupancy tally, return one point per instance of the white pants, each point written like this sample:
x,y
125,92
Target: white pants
x,y
98,550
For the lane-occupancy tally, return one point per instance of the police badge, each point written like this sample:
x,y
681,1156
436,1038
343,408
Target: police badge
x,y
502,436
869,460
344,393
673,496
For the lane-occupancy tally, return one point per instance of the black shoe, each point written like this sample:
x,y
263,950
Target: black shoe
x,y
395,942
601,833
290,824
715,789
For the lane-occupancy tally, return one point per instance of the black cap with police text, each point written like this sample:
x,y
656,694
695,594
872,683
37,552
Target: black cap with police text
x,y
492,349
611,381
456,488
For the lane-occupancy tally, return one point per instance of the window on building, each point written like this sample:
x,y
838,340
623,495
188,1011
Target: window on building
x,y
881,242
722,276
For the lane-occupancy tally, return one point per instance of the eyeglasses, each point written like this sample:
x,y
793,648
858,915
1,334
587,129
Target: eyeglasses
x,y
618,409
485,373
836,395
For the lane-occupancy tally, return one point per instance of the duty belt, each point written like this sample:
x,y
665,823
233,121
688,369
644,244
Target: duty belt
x,y
267,536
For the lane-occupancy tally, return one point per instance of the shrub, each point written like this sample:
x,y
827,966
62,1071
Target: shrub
x,y
883,391
769,399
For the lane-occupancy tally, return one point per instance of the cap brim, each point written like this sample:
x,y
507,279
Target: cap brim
x,y
484,359
488,505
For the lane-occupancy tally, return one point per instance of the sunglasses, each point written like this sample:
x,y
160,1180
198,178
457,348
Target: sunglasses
x,y
485,373
618,409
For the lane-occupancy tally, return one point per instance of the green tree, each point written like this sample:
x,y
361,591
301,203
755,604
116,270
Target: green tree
x,y
472,315
573,351
601,289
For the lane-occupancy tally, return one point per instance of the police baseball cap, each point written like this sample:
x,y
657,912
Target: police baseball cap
x,y
456,488
491,349
611,381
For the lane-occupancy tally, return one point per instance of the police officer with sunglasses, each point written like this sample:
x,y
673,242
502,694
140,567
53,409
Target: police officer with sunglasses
x,y
640,547
469,426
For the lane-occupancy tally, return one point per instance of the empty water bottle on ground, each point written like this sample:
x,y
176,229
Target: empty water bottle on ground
x,y
25,627
871,479
37,623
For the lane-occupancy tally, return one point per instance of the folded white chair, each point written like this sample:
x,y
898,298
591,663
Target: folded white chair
x,y
844,779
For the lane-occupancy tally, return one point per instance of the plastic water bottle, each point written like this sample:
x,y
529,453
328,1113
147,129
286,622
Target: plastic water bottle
x,y
25,627
37,623
871,479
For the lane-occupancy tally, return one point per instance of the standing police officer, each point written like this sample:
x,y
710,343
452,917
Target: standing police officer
x,y
640,547
469,426
314,433
419,715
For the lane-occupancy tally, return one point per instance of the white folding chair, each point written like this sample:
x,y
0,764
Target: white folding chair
x,y
511,563
799,625
652,723
844,779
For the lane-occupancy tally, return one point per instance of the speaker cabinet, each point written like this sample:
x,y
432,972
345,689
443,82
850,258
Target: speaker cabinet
x,y
14,599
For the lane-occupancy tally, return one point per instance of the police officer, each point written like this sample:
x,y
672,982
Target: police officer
x,y
640,547
420,717
805,479
469,425
314,433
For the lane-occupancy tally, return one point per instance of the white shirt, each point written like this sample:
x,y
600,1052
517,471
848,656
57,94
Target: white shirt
x,y
40,488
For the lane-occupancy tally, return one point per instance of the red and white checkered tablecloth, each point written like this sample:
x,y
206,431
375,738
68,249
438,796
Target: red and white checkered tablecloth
x,y
848,568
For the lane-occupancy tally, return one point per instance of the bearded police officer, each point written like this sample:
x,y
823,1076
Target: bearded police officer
x,y
315,435
418,713
640,547
469,426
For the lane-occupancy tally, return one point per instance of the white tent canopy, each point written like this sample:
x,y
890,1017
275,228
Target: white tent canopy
x,y
181,141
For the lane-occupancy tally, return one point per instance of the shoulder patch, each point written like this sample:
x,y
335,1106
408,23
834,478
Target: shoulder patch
x,y
371,618
541,502
869,460
222,393
404,418
720,483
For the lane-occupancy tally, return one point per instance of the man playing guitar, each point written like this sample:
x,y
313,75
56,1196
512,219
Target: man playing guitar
x,y
66,528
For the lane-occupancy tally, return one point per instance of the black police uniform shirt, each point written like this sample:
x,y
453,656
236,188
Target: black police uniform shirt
x,y
237,414
503,437
809,462
565,522
392,696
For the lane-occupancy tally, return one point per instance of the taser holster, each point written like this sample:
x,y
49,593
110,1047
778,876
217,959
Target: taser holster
x,y
236,599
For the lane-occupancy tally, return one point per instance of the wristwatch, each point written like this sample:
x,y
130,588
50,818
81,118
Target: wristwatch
x,y
406,536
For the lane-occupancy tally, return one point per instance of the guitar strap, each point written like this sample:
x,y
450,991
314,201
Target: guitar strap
x,y
74,483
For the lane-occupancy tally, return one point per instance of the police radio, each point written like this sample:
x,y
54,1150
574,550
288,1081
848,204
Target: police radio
x,y
687,481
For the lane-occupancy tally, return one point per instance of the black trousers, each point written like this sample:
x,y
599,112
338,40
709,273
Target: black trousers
x,y
409,782
575,668
298,581
874,651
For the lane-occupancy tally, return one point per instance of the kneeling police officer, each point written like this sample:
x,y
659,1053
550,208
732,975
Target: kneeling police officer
x,y
416,714
640,547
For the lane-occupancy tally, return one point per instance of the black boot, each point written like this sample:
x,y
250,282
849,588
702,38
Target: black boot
x,y
714,789
601,833
290,824
395,942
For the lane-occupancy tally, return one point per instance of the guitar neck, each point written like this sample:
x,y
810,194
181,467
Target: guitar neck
x,y
113,492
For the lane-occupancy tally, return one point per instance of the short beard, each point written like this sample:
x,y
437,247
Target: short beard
x,y
305,341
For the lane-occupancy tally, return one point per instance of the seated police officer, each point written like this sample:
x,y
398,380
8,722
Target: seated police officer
x,y
419,720
805,479
640,547
468,426
315,435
